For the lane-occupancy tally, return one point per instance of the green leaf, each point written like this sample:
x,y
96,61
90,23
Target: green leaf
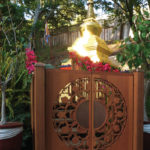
x,y
139,19
137,49
142,27
144,35
147,74
130,64
147,22
22,39
146,13
122,46
127,40
136,36
137,62
147,45
129,47
133,18
1,5
120,58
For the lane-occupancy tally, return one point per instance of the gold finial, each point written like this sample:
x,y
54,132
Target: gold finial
x,y
90,9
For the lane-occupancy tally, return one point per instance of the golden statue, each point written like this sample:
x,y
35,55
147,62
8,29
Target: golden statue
x,y
90,44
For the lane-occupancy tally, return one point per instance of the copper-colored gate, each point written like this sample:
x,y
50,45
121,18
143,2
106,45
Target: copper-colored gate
x,y
76,110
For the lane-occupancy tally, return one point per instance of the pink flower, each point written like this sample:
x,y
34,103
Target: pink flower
x,y
94,65
107,67
72,55
76,60
89,68
30,60
115,70
80,64
100,64
86,64
98,69
27,49
87,58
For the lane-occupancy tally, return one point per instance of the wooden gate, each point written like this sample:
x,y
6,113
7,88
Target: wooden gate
x,y
77,110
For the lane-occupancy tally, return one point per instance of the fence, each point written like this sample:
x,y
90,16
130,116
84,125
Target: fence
x,y
66,39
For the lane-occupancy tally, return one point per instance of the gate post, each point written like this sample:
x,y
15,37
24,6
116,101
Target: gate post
x,y
39,107
138,111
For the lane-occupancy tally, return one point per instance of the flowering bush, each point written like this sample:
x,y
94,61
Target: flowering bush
x,y
30,60
85,63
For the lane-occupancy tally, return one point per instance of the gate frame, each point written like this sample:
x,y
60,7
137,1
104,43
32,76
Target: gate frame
x,y
38,108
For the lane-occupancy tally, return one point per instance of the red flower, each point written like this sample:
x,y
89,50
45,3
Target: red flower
x,y
107,67
80,64
85,63
87,58
115,70
30,60
98,69
89,68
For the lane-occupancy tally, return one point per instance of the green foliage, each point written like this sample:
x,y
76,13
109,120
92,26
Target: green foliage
x,y
18,102
14,27
7,64
14,36
122,10
136,52
62,13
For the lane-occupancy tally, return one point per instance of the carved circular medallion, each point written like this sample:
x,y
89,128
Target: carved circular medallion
x,y
71,114
65,110
109,95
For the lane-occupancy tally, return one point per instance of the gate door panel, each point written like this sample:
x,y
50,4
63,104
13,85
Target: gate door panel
x,y
115,94
87,111
68,96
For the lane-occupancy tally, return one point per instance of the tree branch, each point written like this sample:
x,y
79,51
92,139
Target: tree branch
x,y
13,28
36,16
10,75
6,36
20,23
126,1
119,5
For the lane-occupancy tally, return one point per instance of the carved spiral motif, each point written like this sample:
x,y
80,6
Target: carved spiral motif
x,y
67,110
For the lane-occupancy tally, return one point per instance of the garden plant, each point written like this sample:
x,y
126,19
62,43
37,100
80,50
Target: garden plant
x,y
136,51
14,79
